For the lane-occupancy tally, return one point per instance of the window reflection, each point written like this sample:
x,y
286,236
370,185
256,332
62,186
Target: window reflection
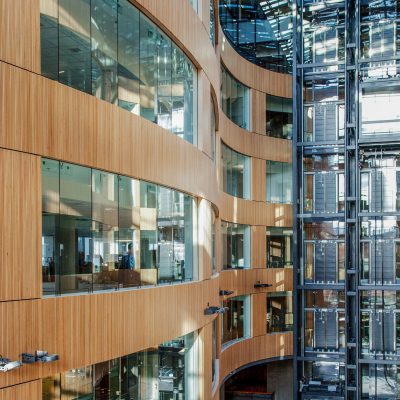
x,y
236,321
323,32
380,324
380,109
279,117
279,182
279,312
111,50
323,378
279,247
380,181
235,172
323,110
323,183
260,31
103,231
380,381
325,321
235,245
380,251
324,252
169,372
234,99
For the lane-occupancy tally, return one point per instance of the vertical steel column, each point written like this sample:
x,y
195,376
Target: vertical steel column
x,y
352,196
297,132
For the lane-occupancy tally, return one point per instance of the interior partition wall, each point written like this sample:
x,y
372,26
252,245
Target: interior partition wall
x,y
346,156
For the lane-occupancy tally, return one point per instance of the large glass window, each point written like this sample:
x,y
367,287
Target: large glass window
x,y
380,324
323,32
105,231
236,320
260,31
380,251
212,22
111,50
323,110
234,99
380,109
324,252
279,182
279,312
168,372
380,181
235,245
326,378
323,182
279,247
235,172
380,381
380,34
279,117
324,316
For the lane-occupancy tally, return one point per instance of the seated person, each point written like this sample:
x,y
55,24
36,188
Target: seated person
x,y
128,260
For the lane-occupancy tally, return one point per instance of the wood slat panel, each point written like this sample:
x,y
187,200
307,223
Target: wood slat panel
x,y
26,391
234,209
87,329
68,125
20,33
258,106
255,349
258,179
253,144
259,314
242,281
258,247
20,226
204,111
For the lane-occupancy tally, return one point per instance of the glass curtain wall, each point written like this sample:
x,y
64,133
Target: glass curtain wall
x,y
103,231
235,101
260,31
235,172
235,245
279,247
212,22
323,184
236,320
167,372
279,312
323,252
321,227
379,234
324,317
279,182
323,109
109,49
279,117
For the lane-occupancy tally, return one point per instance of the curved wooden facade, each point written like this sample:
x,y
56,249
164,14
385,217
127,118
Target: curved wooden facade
x,y
43,118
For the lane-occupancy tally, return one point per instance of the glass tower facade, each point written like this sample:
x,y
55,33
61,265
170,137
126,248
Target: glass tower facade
x,y
346,155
